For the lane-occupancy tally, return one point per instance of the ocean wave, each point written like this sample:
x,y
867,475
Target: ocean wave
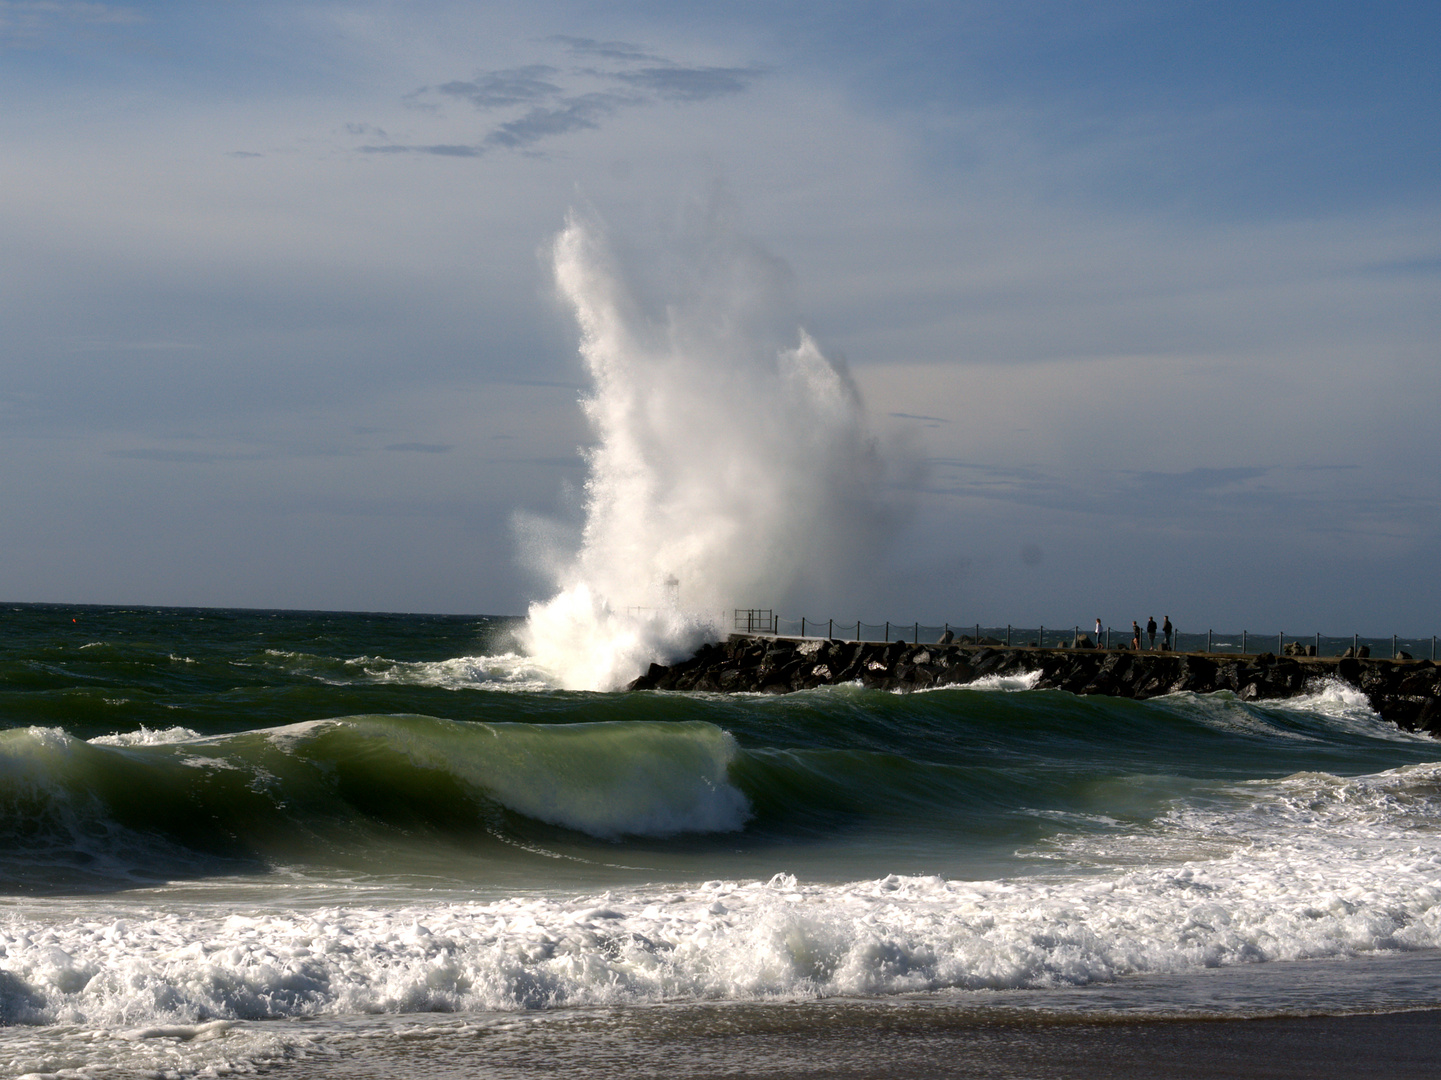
x,y
1224,712
145,798
506,671
952,771
723,940
1347,708
604,779
56,825
1312,816
144,736
1025,680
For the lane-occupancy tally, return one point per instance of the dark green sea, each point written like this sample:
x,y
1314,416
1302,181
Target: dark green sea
x,y
317,844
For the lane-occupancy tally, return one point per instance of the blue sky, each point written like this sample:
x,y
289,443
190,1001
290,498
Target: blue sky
x,y
1149,290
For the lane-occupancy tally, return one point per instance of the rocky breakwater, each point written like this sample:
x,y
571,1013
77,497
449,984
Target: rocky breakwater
x,y
1406,692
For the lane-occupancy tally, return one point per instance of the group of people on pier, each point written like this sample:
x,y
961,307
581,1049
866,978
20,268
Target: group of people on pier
x,y
1167,632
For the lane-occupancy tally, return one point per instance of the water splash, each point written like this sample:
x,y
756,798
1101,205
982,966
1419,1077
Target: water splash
x,y
732,467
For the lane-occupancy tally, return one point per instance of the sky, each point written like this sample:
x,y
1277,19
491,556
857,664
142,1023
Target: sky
x,y
1144,295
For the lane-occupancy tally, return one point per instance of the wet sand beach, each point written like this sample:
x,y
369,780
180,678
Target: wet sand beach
x,y
850,1042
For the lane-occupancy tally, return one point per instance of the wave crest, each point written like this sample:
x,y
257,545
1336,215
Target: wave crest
x,y
604,779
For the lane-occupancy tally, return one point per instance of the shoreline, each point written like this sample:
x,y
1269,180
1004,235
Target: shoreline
x,y
1405,692
852,1041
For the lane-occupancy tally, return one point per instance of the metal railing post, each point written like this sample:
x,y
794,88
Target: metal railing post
x,y
917,638
1041,638
1208,641
803,626
1393,646
1281,643
830,628
1355,644
1243,643
888,631
1008,635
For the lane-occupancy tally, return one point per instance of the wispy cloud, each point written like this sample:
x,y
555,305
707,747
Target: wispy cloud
x,y
421,447
31,22
574,114
496,89
1123,495
548,101
931,420
188,457
605,50
438,149
675,83
451,150
1428,266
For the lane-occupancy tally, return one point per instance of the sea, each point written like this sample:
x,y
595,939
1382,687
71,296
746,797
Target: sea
x,y
320,844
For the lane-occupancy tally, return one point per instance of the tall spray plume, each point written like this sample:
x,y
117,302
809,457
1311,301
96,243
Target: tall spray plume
x,y
731,467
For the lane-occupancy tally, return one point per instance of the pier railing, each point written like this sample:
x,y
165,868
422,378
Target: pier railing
x,y
756,621
766,621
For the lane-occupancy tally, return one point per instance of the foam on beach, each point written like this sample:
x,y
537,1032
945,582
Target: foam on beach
x,y
1309,866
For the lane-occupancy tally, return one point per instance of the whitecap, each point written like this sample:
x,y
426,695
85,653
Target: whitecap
x,y
144,736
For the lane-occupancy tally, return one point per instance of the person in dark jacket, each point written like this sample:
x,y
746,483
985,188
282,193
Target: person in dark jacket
x,y
1151,631
1166,631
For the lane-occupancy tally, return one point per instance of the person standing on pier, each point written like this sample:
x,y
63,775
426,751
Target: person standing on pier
x,y
1151,631
1135,636
1098,633
1166,631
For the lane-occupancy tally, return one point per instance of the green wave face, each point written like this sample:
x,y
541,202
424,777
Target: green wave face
x,y
325,789
606,780
964,777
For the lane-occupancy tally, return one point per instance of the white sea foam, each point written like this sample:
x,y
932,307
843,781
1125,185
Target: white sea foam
x,y
144,736
1347,707
1023,681
505,671
732,464
1334,697
217,1048
1305,867
1340,705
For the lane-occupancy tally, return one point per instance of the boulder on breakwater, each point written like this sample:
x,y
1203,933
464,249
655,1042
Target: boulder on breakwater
x,y
1406,692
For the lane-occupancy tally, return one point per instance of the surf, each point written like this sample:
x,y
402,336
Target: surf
x,y
167,799
732,459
